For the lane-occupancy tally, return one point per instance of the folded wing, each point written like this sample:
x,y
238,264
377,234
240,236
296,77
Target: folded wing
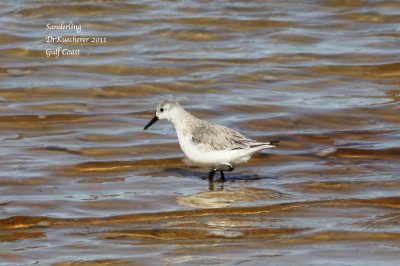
x,y
216,137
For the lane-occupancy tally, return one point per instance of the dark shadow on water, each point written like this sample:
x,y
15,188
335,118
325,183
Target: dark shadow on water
x,y
229,176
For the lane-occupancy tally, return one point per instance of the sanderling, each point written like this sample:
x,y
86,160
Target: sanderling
x,y
208,145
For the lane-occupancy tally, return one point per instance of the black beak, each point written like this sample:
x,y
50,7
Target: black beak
x,y
152,121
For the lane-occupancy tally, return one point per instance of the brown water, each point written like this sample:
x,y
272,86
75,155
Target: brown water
x,y
82,183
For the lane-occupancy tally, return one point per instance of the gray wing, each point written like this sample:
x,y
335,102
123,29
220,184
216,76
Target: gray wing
x,y
216,137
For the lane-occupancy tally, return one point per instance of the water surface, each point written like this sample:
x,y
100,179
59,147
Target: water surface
x,y
82,183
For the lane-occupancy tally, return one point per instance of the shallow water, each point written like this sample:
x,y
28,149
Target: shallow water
x,y
82,183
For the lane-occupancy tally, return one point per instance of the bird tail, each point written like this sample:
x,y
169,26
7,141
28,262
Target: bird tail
x,y
274,143
258,146
265,145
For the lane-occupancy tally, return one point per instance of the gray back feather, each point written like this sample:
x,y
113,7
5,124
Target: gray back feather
x,y
216,137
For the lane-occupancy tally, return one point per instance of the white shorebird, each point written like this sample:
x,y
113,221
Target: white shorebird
x,y
208,145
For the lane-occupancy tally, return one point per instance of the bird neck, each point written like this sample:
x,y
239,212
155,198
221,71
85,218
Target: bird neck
x,y
179,118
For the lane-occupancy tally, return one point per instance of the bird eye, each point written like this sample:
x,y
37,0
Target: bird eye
x,y
161,109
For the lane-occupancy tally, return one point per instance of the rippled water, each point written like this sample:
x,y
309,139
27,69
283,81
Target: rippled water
x,y
82,183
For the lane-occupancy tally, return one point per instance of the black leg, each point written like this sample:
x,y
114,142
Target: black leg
x,y
221,170
211,186
222,178
211,179
211,175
